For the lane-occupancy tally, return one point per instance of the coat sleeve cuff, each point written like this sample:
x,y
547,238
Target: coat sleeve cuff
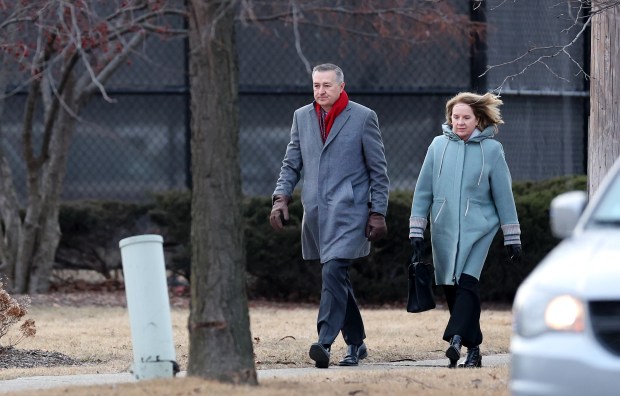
x,y
512,234
417,225
288,198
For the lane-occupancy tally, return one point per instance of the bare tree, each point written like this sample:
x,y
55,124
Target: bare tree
x,y
387,28
62,53
577,15
603,16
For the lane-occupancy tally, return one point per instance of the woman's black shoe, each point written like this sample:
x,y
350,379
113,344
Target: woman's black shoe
x,y
473,359
454,350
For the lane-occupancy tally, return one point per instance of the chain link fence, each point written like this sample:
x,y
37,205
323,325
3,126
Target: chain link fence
x,y
139,145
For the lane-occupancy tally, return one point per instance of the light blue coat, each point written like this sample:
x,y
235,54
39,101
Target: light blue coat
x,y
467,190
343,180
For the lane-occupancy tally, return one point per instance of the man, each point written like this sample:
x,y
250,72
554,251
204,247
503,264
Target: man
x,y
338,144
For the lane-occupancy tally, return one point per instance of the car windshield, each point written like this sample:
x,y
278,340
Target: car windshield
x,y
607,212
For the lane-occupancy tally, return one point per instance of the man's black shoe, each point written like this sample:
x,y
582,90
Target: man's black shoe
x,y
320,355
355,353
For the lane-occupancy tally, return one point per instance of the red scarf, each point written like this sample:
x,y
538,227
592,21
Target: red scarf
x,y
340,104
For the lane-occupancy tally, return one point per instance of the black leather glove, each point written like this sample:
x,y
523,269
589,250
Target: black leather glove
x,y
375,227
279,212
514,253
418,249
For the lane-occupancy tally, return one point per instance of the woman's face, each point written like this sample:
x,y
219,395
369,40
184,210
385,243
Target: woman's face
x,y
463,120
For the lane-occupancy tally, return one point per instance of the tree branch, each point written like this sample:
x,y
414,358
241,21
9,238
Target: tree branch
x,y
562,49
295,13
58,100
112,63
19,16
583,15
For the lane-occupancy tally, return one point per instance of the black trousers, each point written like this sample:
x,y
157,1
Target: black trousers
x,y
464,305
338,310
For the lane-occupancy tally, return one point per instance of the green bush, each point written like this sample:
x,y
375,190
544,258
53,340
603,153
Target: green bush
x,y
275,269
172,212
500,279
91,231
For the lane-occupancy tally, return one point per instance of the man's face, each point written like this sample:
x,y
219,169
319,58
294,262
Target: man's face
x,y
326,89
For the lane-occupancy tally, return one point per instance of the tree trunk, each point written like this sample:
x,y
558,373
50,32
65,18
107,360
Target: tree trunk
x,y
40,235
28,239
9,205
62,78
604,130
51,186
219,325
11,229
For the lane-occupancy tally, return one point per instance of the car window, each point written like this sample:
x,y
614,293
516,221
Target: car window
x,y
607,212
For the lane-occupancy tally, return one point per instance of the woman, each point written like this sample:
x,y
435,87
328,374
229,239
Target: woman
x,y
465,186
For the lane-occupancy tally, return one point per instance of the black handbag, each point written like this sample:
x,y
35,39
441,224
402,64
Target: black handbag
x,y
420,297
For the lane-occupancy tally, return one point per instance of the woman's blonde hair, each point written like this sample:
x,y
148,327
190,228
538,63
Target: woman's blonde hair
x,y
485,108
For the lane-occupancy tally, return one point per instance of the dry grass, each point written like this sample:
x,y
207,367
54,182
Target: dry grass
x,y
282,334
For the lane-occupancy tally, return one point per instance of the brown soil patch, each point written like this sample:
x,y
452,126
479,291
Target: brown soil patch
x,y
19,358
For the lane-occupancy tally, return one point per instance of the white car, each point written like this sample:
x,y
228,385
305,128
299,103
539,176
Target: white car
x,y
566,314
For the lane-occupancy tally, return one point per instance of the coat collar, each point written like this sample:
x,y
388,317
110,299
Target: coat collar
x,y
487,133
339,124
336,128
314,126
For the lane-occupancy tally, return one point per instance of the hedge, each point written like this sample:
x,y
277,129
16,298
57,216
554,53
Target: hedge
x,y
275,269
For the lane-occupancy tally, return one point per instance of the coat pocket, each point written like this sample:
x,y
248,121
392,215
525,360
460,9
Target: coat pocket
x,y
479,216
437,208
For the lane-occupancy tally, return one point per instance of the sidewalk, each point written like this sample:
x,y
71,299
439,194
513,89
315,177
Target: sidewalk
x,y
46,382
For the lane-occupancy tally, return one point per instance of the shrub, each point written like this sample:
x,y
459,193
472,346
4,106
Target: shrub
x,y
91,231
500,279
275,269
172,213
11,312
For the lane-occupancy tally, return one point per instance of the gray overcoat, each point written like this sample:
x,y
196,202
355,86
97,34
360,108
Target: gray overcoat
x,y
343,180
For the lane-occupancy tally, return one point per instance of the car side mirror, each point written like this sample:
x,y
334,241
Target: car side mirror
x,y
565,211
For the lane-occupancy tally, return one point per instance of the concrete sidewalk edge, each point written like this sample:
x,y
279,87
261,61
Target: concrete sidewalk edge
x,y
46,382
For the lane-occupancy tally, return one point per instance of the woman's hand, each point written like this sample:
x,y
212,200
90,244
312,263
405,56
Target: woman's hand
x,y
514,253
418,249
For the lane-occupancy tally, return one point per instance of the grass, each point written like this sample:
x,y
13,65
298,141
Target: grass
x,y
282,333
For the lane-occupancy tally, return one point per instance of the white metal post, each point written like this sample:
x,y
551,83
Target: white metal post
x,y
144,271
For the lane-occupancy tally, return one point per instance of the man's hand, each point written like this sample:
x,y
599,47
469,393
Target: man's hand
x,y
376,227
279,212
418,246
514,253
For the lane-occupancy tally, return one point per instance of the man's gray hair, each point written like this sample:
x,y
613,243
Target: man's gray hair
x,y
330,67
